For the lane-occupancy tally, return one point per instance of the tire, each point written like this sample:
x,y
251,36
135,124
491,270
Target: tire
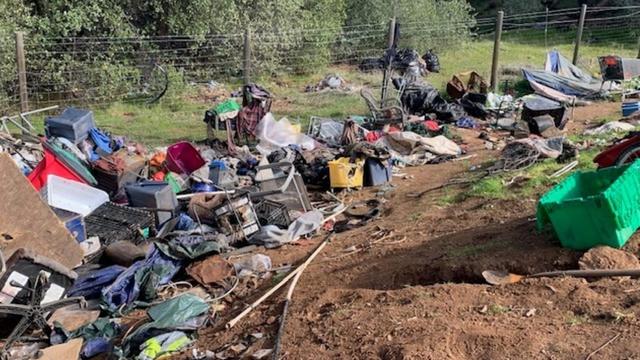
x,y
629,155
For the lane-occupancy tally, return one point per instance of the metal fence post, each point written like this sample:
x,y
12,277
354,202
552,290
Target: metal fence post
x,y
576,51
22,73
247,56
496,51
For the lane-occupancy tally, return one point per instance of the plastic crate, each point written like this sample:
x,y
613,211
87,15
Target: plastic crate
x,y
273,213
58,162
73,124
594,208
344,174
112,222
73,196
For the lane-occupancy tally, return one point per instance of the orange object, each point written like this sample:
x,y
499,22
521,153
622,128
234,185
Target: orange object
x,y
158,159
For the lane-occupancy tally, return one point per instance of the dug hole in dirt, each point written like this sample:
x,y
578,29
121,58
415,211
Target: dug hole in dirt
x,y
419,294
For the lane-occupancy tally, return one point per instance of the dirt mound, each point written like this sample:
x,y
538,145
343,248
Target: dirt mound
x,y
604,257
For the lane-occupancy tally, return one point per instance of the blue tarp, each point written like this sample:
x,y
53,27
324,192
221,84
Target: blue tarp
x,y
566,78
141,279
90,285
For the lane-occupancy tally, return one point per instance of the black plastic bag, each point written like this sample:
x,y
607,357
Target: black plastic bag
x,y
432,61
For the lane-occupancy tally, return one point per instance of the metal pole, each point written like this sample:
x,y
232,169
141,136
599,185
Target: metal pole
x,y
247,56
496,51
22,72
576,51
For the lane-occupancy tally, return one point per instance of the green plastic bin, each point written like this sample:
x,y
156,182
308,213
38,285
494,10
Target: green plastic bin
x,y
594,208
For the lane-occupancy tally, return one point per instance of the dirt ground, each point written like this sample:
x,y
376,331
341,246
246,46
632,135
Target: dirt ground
x,y
419,294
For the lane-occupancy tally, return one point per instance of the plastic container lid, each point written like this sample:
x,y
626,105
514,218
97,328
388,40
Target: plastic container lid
x,y
73,196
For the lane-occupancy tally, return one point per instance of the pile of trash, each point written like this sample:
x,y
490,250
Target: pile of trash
x,y
111,247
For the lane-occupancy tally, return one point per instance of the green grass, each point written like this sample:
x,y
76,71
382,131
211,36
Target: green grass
x,y
488,188
180,116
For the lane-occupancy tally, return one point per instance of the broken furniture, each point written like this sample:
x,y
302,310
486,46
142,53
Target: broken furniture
x,y
380,116
32,287
21,121
236,217
594,208
615,69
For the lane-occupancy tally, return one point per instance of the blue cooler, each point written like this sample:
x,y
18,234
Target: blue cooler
x,y
377,172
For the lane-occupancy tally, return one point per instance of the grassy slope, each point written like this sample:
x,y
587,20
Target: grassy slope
x,y
178,117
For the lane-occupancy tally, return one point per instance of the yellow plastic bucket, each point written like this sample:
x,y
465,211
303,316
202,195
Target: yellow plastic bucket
x,y
344,174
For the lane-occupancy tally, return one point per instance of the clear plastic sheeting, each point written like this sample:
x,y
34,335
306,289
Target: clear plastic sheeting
x,y
274,135
271,236
326,130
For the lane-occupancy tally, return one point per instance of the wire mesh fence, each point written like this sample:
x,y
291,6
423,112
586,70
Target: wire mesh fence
x,y
100,70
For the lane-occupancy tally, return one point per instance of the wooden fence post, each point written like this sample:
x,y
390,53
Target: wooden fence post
x,y
576,51
392,32
496,51
387,71
22,73
247,57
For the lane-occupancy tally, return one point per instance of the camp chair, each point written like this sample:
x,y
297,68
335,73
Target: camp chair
x,y
615,69
388,114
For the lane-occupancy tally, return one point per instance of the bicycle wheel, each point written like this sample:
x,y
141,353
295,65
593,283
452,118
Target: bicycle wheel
x,y
629,155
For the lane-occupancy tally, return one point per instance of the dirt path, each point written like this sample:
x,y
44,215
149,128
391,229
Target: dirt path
x,y
424,298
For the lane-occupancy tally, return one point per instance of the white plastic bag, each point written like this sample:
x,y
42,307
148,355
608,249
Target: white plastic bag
x,y
274,135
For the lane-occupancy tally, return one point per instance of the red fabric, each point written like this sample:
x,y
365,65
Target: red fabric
x,y
431,125
373,136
